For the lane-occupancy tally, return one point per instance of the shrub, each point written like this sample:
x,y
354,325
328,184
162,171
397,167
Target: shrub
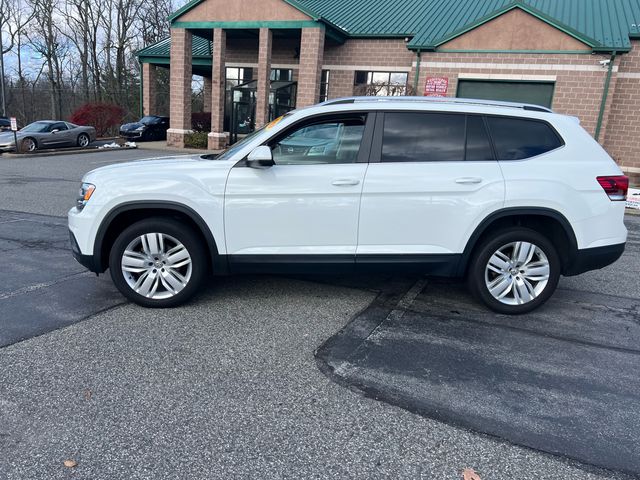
x,y
201,121
102,116
196,140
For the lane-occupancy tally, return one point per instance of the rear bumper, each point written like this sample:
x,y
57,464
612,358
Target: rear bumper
x,y
594,258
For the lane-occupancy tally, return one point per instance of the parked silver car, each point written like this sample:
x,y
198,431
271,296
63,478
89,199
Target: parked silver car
x,y
48,134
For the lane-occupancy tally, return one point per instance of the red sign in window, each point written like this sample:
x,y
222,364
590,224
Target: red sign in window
x,y
436,86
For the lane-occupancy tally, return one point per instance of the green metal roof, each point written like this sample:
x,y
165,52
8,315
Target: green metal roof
x,y
604,25
201,47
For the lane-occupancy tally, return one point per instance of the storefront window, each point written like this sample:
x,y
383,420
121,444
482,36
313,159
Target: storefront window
x,y
324,86
382,84
281,75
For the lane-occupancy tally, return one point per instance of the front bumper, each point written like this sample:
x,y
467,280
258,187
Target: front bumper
x,y
131,134
588,259
87,261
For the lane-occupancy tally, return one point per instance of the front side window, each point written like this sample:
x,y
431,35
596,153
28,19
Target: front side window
x,y
330,141
381,84
423,137
520,138
58,126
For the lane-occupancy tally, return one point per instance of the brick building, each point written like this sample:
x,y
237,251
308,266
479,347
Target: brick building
x,y
261,58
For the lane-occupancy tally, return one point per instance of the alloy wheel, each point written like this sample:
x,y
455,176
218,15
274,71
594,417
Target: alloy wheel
x,y
517,273
83,141
30,145
156,265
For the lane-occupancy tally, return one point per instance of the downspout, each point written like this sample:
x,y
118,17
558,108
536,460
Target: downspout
x,y
140,102
605,94
417,77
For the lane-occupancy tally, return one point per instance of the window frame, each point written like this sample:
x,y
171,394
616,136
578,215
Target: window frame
x,y
376,149
324,82
386,85
559,137
378,135
365,143
55,125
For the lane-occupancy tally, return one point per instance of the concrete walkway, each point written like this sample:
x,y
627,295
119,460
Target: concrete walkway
x,y
162,145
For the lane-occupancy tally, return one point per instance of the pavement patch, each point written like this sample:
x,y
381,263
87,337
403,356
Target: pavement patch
x,y
43,287
561,380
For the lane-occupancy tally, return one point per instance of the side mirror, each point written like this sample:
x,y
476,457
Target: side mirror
x,y
260,158
55,130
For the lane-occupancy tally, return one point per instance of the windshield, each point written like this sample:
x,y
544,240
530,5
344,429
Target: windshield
x,y
36,127
230,151
148,120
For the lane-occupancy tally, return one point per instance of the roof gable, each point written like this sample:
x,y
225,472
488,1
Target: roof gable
x,y
517,29
241,11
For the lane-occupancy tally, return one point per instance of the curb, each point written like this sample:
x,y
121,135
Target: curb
x,y
52,153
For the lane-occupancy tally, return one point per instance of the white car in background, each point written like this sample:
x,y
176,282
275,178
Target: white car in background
x,y
510,196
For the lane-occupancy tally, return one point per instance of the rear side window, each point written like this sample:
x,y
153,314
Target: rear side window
x,y
423,137
520,138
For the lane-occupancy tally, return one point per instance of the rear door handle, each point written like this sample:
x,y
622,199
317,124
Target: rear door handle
x,y
345,182
468,180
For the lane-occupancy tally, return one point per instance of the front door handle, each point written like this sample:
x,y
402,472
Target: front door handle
x,y
345,182
468,180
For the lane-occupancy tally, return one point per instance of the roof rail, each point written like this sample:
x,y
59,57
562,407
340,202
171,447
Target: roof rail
x,y
446,100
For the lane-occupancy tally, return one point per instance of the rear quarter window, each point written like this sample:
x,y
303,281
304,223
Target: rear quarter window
x,y
521,138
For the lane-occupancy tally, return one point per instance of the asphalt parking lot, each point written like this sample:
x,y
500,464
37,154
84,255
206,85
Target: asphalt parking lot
x,y
407,370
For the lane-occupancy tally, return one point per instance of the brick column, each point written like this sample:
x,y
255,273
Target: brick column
x,y
310,70
206,94
149,89
218,138
264,74
180,87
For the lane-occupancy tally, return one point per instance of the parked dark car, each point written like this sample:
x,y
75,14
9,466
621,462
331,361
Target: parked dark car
x,y
5,124
150,127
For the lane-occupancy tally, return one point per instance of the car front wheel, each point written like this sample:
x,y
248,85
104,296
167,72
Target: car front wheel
x,y
29,145
158,262
515,271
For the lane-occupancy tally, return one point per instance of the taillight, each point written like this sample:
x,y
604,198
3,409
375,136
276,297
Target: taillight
x,y
615,187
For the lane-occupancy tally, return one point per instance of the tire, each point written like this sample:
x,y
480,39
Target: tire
x,y
152,278
29,145
83,140
519,285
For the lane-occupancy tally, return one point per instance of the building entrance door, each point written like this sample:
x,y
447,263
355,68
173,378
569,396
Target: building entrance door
x,y
282,99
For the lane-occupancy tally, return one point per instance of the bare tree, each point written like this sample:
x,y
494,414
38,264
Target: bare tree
x,y
153,21
78,32
45,38
84,51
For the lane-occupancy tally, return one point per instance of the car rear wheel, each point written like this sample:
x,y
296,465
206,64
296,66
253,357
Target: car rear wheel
x,y
158,262
29,145
83,140
515,271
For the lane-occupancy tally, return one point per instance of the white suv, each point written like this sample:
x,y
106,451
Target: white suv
x,y
509,195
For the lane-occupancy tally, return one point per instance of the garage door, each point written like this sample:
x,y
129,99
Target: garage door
x,y
538,93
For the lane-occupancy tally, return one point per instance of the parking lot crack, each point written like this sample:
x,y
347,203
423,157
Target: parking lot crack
x,y
38,286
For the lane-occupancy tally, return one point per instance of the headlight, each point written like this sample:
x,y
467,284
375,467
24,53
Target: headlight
x,y
86,190
139,129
